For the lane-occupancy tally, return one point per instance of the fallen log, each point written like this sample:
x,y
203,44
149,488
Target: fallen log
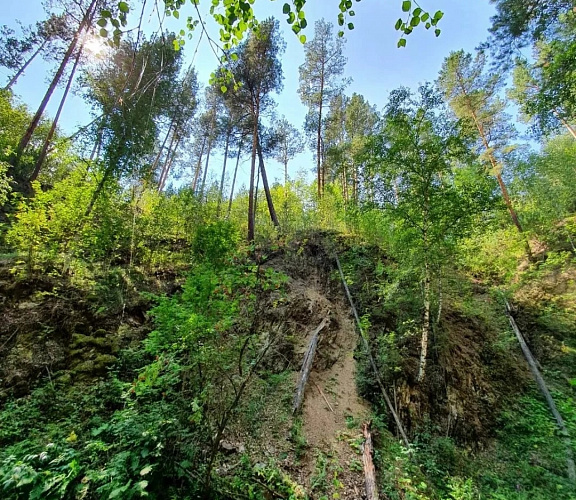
x,y
369,470
399,425
307,366
533,364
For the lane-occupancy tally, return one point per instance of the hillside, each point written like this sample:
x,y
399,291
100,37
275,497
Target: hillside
x,y
102,398
302,250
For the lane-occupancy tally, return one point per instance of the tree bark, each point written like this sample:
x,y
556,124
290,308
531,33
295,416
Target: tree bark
x,y
24,66
369,469
98,190
198,166
319,138
221,191
307,366
159,155
570,467
251,204
269,200
86,20
205,174
234,178
425,324
52,130
168,165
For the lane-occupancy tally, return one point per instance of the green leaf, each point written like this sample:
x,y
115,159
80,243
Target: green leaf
x,y
105,13
428,26
123,7
224,89
340,34
145,470
402,42
301,14
398,24
286,8
103,33
303,23
415,21
102,22
425,16
406,5
417,12
302,38
438,15
350,26
437,32
176,14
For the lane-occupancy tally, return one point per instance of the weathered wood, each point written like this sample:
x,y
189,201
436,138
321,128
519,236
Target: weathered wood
x,y
399,425
369,470
533,364
324,396
307,366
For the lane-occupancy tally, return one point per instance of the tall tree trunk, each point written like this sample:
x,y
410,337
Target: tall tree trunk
x,y
48,139
234,178
508,202
96,149
251,207
425,324
85,23
198,166
159,155
210,141
318,142
221,191
269,201
98,190
205,174
25,65
166,161
567,125
168,165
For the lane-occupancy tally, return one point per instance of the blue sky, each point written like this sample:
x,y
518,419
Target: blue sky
x,y
375,65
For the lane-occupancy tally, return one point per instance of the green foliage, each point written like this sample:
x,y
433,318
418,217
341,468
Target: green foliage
x,y
216,241
51,228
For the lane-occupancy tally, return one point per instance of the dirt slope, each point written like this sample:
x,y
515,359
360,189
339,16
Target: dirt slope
x,y
332,410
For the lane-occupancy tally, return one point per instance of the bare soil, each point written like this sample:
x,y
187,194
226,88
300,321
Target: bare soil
x,y
332,411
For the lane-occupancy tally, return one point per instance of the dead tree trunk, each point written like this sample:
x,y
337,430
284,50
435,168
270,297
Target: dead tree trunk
x,y
369,470
399,425
85,23
307,366
52,130
570,468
